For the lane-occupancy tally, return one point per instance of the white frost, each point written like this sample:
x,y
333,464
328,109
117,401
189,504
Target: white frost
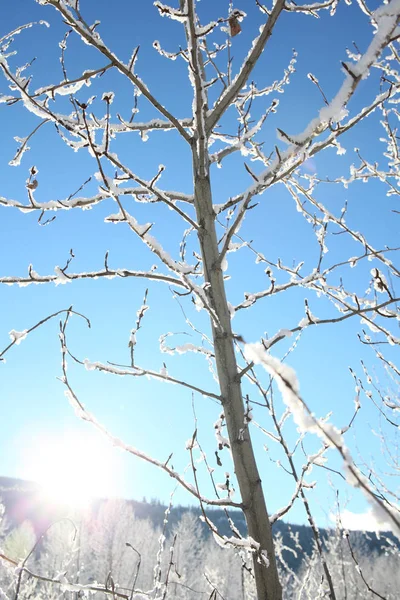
x,y
18,336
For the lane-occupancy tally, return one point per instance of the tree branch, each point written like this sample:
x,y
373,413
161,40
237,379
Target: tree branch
x,y
229,95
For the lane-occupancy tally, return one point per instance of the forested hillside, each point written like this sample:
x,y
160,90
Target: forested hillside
x,y
127,544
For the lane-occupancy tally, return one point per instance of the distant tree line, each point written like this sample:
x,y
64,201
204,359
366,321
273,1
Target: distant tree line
x,y
108,552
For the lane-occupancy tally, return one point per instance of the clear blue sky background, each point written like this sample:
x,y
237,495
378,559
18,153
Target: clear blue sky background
x,y
154,417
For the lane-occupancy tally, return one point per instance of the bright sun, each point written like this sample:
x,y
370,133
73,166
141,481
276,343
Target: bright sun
x,y
72,469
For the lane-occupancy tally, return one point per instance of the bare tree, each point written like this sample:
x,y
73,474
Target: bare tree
x,y
222,91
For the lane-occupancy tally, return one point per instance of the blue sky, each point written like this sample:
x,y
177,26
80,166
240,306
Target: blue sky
x,y
154,417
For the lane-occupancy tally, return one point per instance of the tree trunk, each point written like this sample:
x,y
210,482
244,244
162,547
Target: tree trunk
x,y
259,528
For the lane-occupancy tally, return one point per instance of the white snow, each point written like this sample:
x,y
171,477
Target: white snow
x,y
61,278
18,336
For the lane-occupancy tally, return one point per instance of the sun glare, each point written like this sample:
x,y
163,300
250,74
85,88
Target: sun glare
x,y
73,469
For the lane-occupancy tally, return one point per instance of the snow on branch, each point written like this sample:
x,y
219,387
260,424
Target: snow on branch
x,y
152,125
370,251
85,415
300,147
350,311
88,203
136,371
21,28
63,582
384,512
313,9
35,278
235,145
150,187
183,348
170,12
18,336
65,88
231,92
93,39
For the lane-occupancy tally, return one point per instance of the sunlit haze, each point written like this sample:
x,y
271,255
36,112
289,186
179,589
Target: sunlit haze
x,y
72,469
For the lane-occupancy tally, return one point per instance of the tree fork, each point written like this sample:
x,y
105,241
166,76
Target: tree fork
x,y
247,474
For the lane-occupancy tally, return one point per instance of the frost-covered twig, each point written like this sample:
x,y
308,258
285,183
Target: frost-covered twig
x,y
94,40
34,278
298,479
288,161
63,582
18,336
136,371
230,94
306,421
85,415
87,203
350,312
359,570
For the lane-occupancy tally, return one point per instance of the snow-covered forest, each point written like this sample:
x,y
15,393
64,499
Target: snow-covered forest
x,y
199,267
107,547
